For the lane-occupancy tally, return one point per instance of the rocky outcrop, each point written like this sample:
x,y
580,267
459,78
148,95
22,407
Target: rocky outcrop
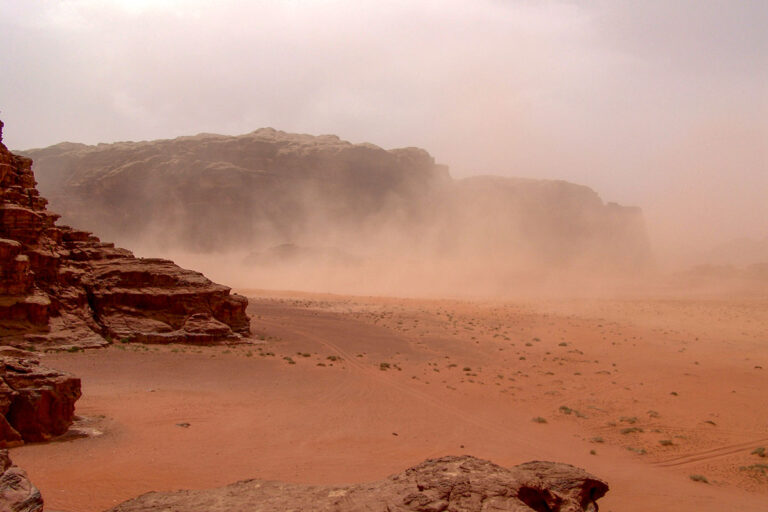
x,y
17,494
456,484
63,287
36,403
270,189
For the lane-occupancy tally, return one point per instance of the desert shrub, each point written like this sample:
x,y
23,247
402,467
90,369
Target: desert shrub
x,y
760,468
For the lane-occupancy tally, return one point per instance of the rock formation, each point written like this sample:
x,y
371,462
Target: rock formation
x,y
270,188
456,484
36,403
17,494
62,287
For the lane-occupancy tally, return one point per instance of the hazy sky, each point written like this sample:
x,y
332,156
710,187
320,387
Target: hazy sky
x,y
662,103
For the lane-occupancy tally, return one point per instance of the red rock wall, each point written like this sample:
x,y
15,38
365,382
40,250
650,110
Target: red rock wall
x,y
62,287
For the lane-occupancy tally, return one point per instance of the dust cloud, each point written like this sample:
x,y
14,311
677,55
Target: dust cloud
x,y
656,104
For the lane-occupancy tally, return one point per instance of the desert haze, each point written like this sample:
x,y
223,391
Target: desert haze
x,y
413,256
290,211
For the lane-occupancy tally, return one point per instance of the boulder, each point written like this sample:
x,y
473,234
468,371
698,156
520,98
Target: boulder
x,y
36,403
17,494
455,484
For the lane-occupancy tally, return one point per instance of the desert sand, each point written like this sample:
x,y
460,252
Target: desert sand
x,y
342,389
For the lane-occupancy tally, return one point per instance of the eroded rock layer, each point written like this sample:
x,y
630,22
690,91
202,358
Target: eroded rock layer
x,y
456,484
60,286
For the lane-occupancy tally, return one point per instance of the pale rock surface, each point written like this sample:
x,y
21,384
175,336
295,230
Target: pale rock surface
x,y
455,484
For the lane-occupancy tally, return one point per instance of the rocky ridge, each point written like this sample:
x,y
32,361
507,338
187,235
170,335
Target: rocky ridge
x,y
456,484
63,287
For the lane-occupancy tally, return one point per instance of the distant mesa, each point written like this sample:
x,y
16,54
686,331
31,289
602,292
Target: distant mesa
x,y
459,484
268,188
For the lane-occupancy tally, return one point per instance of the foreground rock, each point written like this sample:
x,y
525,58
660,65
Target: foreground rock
x,y
36,403
17,494
62,287
456,484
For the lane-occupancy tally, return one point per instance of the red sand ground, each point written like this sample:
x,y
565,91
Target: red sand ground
x,y
413,379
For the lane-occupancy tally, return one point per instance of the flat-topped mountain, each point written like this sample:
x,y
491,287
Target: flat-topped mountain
x,y
268,189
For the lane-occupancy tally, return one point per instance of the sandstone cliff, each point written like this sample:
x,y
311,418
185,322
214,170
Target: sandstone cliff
x,y
60,286
325,197
458,484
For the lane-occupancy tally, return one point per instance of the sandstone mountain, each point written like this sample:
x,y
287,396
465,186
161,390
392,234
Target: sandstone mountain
x,y
62,287
323,198
459,484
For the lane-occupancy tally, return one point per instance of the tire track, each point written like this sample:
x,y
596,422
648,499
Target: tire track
x,y
713,453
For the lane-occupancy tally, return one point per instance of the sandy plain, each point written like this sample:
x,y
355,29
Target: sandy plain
x,y
645,393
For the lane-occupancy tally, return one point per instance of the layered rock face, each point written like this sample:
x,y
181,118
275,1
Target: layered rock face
x,y
456,484
36,403
17,494
325,196
61,286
